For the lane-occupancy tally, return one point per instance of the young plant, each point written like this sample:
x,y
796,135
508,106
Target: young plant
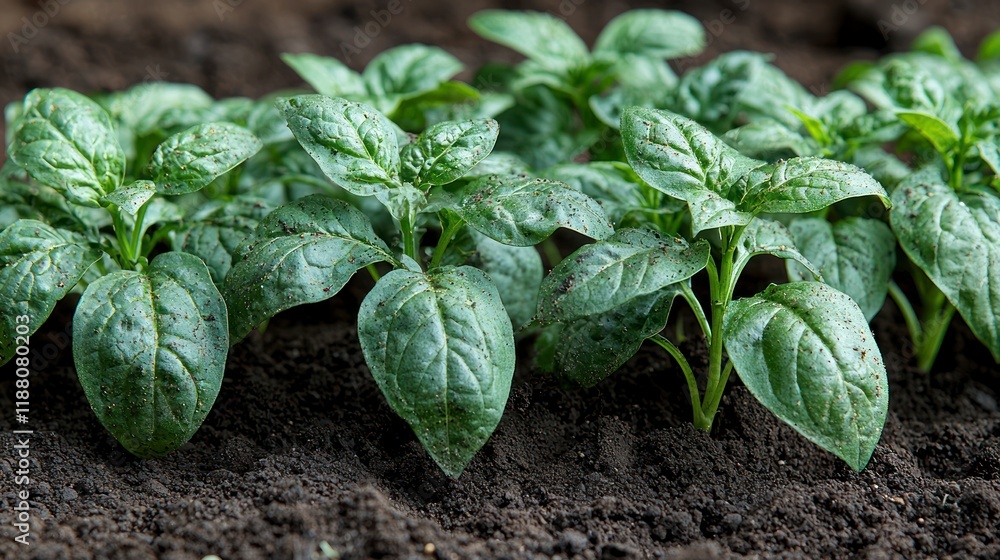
x,y
946,216
436,333
150,334
409,84
562,76
803,349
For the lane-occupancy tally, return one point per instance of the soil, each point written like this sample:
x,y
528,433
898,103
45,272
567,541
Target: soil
x,y
301,457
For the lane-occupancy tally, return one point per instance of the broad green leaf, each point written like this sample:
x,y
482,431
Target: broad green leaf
x,y
267,123
590,348
769,140
524,211
939,133
141,108
445,152
131,197
684,160
740,87
955,239
989,49
353,144
188,161
806,352
441,349
403,202
769,237
150,351
328,76
303,252
936,40
409,70
805,184
39,265
214,234
652,33
541,37
606,183
855,255
517,273
66,141
990,152
604,275
537,129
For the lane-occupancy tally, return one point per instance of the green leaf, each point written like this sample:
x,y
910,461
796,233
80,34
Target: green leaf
x,y
447,151
141,109
214,234
805,184
602,276
814,127
770,237
517,273
990,152
409,70
936,40
740,87
537,129
441,349
989,49
588,349
856,256
769,140
953,238
652,33
806,352
939,133
353,144
328,76
66,141
541,37
188,161
150,351
682,159
131,197
39,265
524,211
303,252
605,182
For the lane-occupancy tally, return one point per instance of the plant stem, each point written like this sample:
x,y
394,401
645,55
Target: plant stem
x,y
551,252
699,312
127,260
712,400
446,236
909,315
937,318
721,292
409,248
700,421
138,229
373,272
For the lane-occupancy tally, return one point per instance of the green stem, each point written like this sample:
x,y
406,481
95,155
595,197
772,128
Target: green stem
x,y
409,247
138,229
373,272
936,322
721,293
127,260
700,421
712,400
909,315
551,252
446,236
699,312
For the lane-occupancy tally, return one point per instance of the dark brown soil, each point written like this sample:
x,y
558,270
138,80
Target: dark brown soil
x,y
301,455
